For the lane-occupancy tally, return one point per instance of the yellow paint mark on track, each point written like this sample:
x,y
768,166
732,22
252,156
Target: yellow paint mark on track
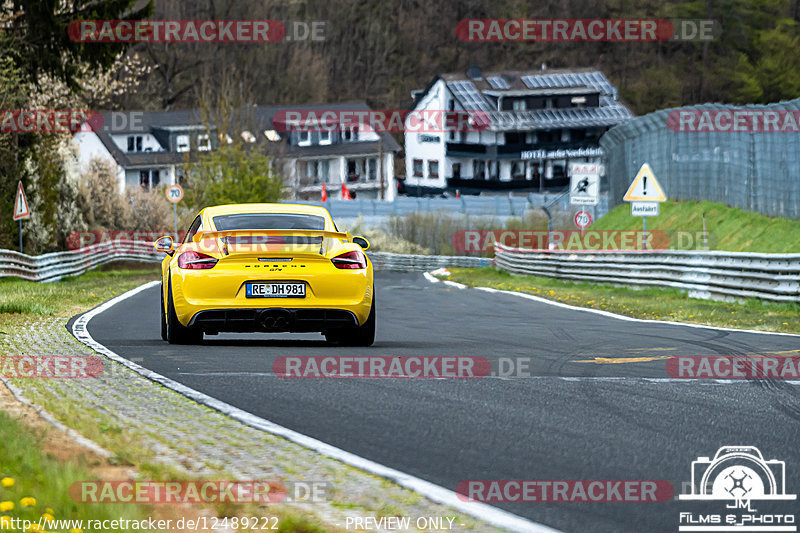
x,y
615,360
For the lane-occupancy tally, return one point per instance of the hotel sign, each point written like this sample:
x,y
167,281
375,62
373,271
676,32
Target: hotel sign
x,y
561,154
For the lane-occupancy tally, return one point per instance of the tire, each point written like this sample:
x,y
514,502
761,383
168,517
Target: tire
x,y
163,316
176,332
363,335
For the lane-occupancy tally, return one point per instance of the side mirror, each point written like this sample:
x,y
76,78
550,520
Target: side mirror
x,y
362,242
165,244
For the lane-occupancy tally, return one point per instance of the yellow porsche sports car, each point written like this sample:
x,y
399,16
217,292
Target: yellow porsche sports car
x,y
266,268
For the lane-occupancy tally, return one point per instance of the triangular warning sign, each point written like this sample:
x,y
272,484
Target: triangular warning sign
x,y
21,204
645,187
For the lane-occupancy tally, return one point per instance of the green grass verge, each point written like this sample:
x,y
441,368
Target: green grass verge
x,y
40,484
728,228
47,479
649,303
69,296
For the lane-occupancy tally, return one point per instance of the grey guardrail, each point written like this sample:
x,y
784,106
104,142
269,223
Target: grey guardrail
x,y
54,266
705,274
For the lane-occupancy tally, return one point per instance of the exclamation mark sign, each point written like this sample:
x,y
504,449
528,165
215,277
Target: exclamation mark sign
x,y
644,185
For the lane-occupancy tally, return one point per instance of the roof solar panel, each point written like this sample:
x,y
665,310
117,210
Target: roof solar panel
x,y
595,80
469,96
497,82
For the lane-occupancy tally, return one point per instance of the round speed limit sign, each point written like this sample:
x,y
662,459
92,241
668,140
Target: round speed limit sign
x,y
174,193
583,219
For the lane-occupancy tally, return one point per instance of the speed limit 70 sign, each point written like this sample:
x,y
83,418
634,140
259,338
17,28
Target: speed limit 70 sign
x,y
174,193
583,219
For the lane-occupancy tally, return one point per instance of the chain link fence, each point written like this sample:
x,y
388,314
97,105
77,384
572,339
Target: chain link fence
x,y
743,166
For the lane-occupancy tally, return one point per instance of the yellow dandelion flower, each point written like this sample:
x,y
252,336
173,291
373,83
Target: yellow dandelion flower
x,y
34,527
76,530
49,510
48,517
785,323
28,501
7,481
6,506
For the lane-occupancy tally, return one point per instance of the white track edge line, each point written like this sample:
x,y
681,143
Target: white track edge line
x,y
481,511
621,317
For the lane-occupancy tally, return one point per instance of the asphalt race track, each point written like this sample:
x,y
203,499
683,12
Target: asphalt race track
x,y
602,420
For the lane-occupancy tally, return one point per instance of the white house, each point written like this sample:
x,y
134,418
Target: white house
x,y
152,148
525,128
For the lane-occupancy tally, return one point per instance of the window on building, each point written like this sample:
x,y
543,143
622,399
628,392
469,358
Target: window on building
x,y
479,169
494,170
182,143
135,143
149,179
559,168
311,170
325,137
349,133
372,169
323,171
517,170
417,167
518,105
514,137
549,103
433,169
203,143
304,138
457,170
355,169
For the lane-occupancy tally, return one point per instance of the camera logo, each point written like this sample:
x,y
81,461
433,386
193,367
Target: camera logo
x,y
737,476
738,473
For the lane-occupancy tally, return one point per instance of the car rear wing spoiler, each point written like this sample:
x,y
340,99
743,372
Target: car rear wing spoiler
x,y
201,235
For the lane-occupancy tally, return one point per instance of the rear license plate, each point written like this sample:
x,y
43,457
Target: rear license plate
x,y
275,290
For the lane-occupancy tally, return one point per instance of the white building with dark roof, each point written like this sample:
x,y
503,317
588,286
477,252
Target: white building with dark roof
x,y
536,123
152,148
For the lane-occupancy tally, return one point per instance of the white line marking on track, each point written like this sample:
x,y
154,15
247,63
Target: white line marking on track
x,y
619,317
481,511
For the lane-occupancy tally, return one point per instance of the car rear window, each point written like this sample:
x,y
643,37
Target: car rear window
x,y
268,221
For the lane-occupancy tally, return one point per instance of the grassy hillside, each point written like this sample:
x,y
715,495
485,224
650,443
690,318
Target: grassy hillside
x,y
728,228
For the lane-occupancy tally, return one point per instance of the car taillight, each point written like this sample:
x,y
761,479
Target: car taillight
x,y
196,261
354,259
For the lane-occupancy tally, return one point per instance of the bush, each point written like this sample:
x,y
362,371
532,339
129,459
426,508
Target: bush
x,y
232,174
103,206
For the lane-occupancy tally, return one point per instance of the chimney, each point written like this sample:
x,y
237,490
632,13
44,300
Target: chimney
x,y
474,72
